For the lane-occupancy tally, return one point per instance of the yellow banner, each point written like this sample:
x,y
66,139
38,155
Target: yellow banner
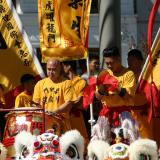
x,y
64,26
16,53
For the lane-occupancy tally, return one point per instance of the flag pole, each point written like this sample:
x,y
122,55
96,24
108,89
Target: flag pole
x,y
91,120
44,123
147,60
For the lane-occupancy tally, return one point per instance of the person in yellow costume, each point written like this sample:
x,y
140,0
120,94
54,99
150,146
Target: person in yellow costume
x,y
24,99
123,96
135,63
121,99
55,93
77,120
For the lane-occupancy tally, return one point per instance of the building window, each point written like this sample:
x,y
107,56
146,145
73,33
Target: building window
x,y
94,6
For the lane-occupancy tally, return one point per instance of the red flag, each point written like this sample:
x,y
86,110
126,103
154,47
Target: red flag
x,y
88,94
104,78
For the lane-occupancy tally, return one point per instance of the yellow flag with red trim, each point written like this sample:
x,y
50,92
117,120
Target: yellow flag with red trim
x,y
64,26
16,53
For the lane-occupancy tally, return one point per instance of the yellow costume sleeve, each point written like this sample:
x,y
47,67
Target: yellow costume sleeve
x,y
117,101
37,93
79,84
23,100
69,93
80,87
18,102
127,81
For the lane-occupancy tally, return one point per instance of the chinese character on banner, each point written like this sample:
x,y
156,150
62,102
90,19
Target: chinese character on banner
x,y
64,26
16,52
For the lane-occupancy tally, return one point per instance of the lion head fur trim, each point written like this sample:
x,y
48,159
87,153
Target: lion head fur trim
x,y
143,146
3,152
24,140
72,137
99,149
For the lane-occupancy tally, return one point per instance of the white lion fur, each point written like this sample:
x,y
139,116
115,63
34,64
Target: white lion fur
x,y
3,153
98,148
24,139
101,130
130,131
143,146
72,137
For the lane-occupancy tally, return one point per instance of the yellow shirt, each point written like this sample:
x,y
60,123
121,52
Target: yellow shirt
x,y
53,94
78,85
23,100
126,80
76,116
141,116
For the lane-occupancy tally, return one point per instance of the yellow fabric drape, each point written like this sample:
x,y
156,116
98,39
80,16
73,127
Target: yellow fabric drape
x,y
63,28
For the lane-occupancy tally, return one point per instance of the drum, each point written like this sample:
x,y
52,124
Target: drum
x,y
30,121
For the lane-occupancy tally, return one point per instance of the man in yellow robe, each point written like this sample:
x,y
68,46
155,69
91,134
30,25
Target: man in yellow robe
x,y
135,63
77,120
24,99
121,98
55,93
126,90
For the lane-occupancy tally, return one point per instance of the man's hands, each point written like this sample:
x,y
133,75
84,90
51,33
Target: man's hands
x,y
65,107
98,96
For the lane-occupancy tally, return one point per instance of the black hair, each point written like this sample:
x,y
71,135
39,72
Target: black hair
x,y
2,87
93,57
136,53
27,78
111,52
73,64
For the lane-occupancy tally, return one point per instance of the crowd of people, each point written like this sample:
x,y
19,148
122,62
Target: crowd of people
x,y
61,92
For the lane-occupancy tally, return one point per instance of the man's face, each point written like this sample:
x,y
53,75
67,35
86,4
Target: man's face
x,y
29,86
134,63
53,69
94,65
112,63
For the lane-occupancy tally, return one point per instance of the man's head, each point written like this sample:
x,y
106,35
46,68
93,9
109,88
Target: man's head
x,y
54,69
93,63
135,59
69,66
112,58
28,82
